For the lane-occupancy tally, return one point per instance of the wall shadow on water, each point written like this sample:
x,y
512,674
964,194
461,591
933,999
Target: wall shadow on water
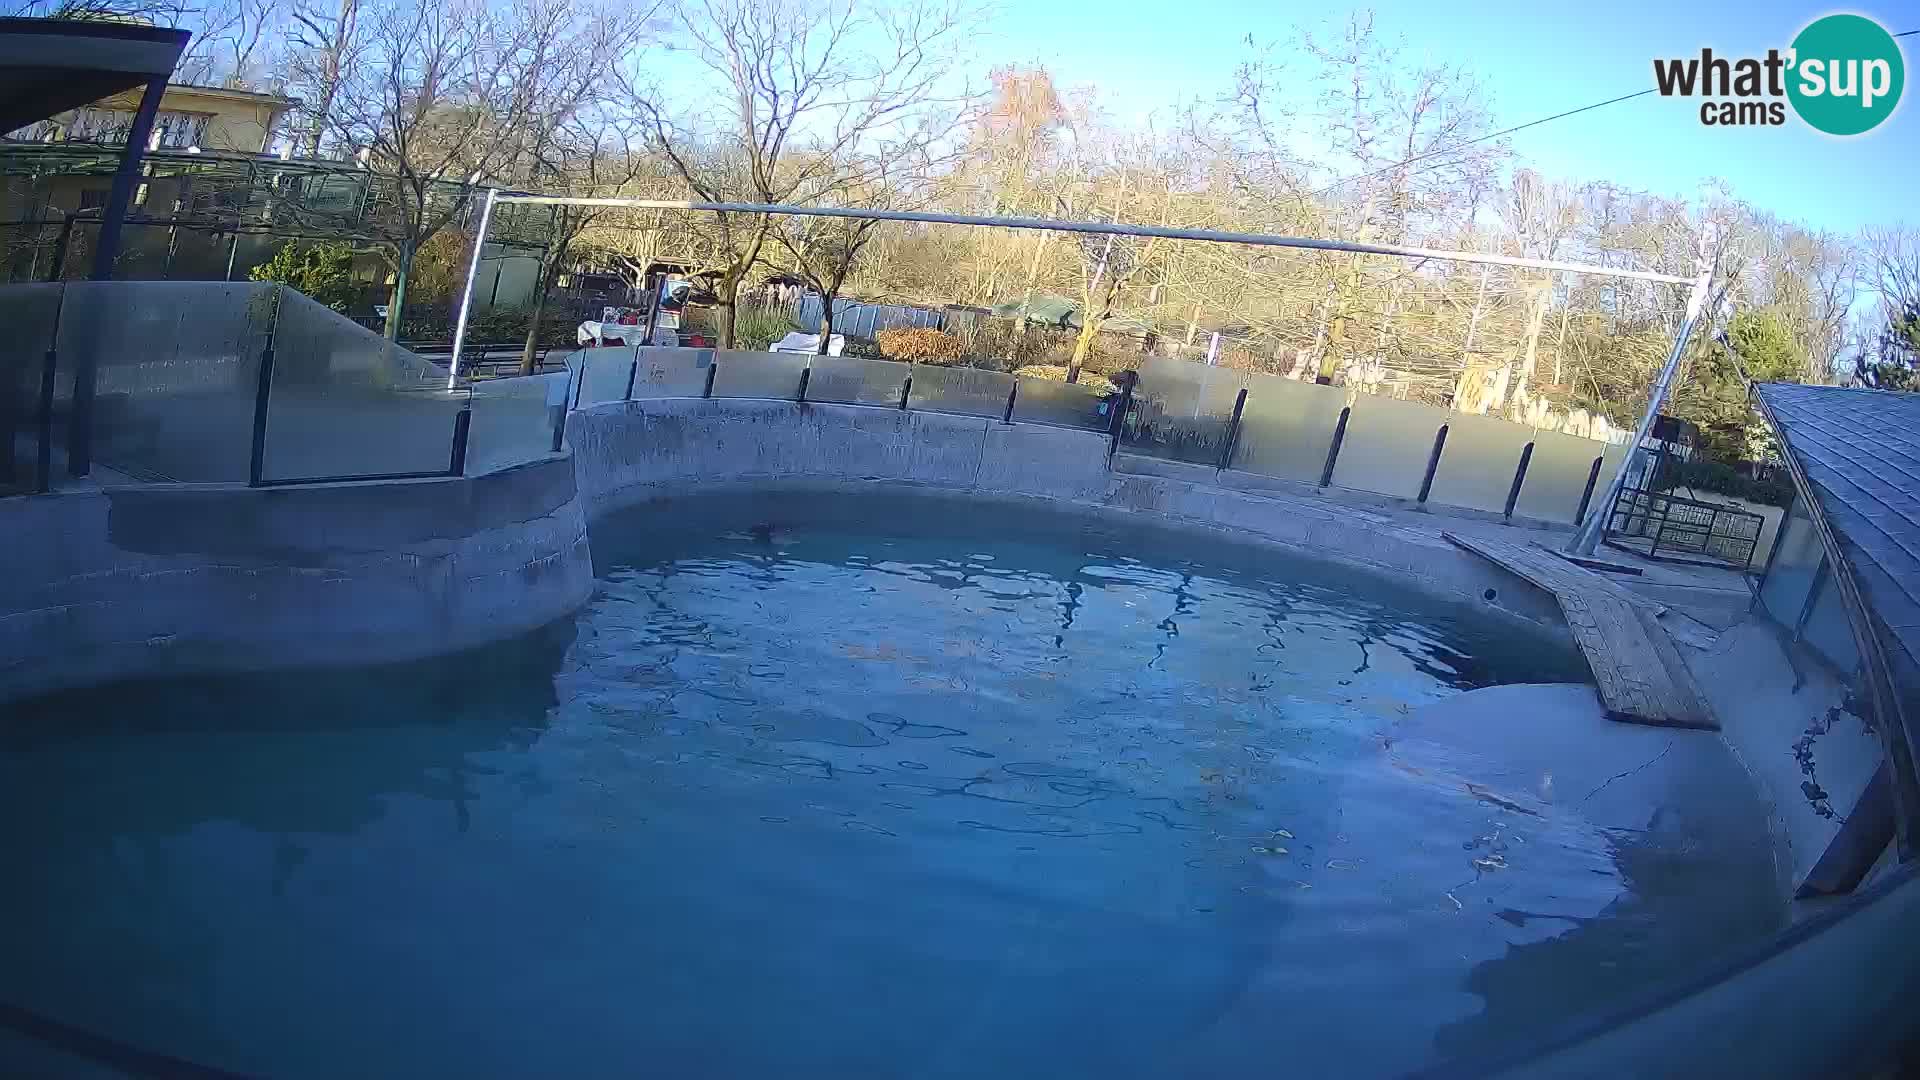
x,y
1624,952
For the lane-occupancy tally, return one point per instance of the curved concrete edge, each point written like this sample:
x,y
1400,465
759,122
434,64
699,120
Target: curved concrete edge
x,y
630,453
147,581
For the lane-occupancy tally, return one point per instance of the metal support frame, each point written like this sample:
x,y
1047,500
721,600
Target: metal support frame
x,y
1519,479
1013,392
1586,494
1586,539
106,251
1233,425
466,293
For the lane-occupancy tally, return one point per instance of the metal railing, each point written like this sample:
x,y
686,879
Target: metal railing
x,y
1191,413
1659,524
212,382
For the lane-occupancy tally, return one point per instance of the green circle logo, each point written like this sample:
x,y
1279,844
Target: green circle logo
x,y
1846,74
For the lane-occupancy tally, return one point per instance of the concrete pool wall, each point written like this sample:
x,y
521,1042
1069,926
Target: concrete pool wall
x,y
152,580
158,579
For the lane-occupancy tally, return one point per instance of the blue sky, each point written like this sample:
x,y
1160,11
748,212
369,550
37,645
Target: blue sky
x,y
1536,60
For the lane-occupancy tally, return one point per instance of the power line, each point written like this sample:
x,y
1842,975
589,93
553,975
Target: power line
x,y
1484,138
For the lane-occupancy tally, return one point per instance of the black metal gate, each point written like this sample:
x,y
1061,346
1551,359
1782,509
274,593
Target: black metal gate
x,y
1658,524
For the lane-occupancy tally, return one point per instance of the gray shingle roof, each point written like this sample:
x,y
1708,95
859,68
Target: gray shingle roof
x,y
1860,450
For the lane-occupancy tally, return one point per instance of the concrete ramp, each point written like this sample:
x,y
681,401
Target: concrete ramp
x,y
1641,677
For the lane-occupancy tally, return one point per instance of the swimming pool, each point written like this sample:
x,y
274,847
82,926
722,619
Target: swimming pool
x,y
849,786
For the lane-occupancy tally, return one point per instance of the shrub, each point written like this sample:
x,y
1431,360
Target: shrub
x,y
921,344
322,271
755,327
1058,373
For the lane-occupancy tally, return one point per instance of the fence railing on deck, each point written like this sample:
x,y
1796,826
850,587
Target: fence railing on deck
x,y
1186,412
254,383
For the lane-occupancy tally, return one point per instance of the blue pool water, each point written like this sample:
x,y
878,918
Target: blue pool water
x,y
825,788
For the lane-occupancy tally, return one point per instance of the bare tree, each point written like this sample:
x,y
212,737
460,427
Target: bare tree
x,y
799,89
232,40
325,41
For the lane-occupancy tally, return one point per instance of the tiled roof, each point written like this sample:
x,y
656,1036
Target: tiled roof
x,y
1860,450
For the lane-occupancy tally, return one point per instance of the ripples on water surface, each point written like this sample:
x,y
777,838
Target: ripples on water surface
x,y
810,791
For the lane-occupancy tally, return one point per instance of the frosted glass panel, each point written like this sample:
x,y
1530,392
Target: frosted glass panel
x,y
1286,427
1476,469
513,420
1182,410
1074,405
971,391
1827,630
601,375
672,373
852,380
347,402
759,374
29,313
1796,558
1557,475
1387,445
177,373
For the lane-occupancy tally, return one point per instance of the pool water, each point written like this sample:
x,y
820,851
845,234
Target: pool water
x,y
839,787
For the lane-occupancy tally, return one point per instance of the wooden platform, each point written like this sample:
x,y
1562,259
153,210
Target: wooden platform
x,y
1641,677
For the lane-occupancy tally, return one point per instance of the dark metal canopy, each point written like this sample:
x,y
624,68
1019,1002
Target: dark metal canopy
x,y
1854,456
48,66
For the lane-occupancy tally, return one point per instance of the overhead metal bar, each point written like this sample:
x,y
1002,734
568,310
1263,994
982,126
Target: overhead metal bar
x,y
1106,228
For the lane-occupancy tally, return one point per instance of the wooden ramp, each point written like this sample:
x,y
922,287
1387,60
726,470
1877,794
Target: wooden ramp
x,y
1641,676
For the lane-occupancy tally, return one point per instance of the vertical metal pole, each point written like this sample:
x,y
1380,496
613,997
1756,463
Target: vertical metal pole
x,y
906,387
1586,495
462,424
1433,464
1333,447
801,394
633,372
466,294
653,308
106,250
1233,425
262,400
1012,393
1587,538
713,368
1118,422
1519,478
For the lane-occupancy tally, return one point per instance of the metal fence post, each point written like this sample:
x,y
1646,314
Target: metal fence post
x,y
1333,446
713,368
462,422
1519,478
1012,393
906,387
1433,464
1586,496
1233,426
262,396
805,374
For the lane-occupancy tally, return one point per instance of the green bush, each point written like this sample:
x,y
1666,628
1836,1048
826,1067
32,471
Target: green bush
x,y
755,327
321,271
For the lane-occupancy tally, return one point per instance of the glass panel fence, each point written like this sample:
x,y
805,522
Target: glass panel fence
x,y
665,373
1827,630
1796,559
30,314
1287,427
513,420
600,375
1182,410
1557,476
177,373
969,391
1387,445
347,402
1073,405
852,380
759,374
1476,468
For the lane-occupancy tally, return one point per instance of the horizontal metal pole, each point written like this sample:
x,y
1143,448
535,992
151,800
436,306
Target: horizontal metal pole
x,y
1105,228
